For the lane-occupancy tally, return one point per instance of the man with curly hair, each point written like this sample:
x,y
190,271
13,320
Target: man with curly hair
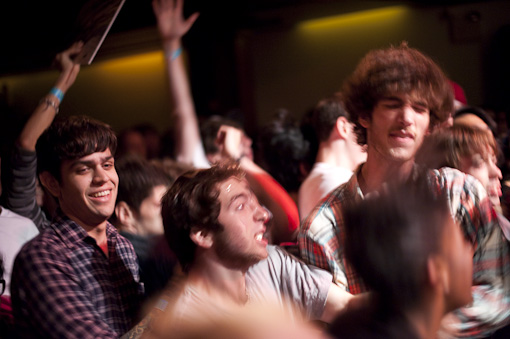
x,y
395,97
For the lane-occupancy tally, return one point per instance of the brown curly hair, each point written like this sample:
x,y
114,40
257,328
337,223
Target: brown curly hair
x,y
401,69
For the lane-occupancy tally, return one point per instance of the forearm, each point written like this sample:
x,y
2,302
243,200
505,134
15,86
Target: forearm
x,y
183,111
20,187
338,300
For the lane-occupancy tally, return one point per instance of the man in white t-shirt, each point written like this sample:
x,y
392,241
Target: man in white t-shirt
x,y
338,156
216,227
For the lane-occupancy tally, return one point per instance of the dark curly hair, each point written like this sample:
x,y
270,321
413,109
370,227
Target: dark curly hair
x,y
191,202
402,69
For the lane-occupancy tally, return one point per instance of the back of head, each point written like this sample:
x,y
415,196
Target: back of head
x,y
446,147
209,131
484,120
137,178
284,150
326,114
389,238
192,202
396,70
70,138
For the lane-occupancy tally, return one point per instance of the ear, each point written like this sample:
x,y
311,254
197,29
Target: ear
x,y
50,183
201,237
364,122
437,273
124,214
342,127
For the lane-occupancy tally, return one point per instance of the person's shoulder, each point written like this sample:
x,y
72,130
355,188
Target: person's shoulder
x,y
45,244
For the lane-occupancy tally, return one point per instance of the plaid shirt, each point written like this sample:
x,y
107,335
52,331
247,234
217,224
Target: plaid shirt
x,y
64,286
322,235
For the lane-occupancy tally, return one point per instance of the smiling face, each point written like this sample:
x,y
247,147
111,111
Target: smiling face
x,y
241,243
396,128
88,189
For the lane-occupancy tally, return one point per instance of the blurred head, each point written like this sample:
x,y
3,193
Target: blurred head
x,y
214,209
396,70
141,187
132,142
475,117
471,150
405,244
209,133
284,151
332,122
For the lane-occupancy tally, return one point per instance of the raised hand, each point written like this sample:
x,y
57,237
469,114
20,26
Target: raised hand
x,y
169,16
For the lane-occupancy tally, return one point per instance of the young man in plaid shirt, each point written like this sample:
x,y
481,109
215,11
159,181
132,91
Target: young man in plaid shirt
x,y
395,97
79,278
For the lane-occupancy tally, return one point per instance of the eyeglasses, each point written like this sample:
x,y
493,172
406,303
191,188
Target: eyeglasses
x,y
2,286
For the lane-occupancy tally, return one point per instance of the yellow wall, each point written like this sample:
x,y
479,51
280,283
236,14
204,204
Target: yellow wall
x,y
295,68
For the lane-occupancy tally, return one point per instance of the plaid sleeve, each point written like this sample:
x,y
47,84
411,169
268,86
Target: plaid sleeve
x,y
48,299
319,244
471,207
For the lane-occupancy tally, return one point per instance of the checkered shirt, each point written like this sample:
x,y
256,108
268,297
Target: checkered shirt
x,y
321,243
64,286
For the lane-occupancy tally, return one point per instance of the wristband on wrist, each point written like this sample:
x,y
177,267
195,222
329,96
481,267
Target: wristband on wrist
x,y
172,55
50,103
57,93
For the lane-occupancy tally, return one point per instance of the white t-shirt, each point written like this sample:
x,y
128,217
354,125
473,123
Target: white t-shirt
x,y
15,231
281,280
322,179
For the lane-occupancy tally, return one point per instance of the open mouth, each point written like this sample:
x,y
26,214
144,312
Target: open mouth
x,y
100,194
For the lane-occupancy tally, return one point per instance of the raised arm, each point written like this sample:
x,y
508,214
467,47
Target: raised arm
x,y
20,188
45,112
172,26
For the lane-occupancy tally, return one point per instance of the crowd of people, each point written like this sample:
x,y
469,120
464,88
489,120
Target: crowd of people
x,y
382,214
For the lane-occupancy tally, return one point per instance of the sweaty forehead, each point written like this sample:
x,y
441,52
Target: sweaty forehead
x,y
233,184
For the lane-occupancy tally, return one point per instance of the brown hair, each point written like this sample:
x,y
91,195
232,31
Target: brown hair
x,y
191,202
396,70
70,138
445,147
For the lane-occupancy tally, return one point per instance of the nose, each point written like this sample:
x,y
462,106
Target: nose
x,y
100,175
261,213
406,115
494,171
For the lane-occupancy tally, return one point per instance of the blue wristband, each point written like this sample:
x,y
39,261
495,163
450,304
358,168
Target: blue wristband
x,y
57,93
174,55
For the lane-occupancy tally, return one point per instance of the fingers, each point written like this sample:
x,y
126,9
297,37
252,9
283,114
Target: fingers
x,y
191,20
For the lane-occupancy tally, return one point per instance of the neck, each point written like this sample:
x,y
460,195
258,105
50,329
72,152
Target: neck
x,y
375,173
209,276
426,319
335,153
97,232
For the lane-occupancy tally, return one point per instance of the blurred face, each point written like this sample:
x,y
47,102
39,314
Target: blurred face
x,y
241,243
484,168
397,128
458,256
149,217
88,188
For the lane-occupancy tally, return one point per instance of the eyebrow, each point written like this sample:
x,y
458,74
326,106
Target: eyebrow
x,y
236,197
413,102
90,162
